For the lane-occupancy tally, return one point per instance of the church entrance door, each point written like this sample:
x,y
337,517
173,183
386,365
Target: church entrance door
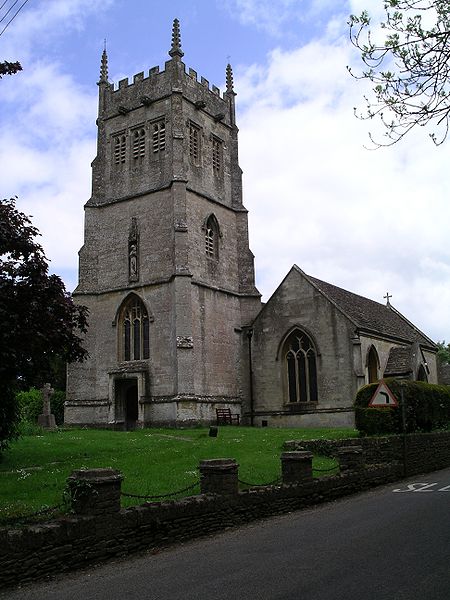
x,y
126,403
131,406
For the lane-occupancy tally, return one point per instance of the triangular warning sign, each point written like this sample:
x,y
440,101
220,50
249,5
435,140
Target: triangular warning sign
x,y
383,396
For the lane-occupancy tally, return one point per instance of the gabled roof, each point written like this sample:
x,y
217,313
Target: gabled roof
x,y
370,316
399,361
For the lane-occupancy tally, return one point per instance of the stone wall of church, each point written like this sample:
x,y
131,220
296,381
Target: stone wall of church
x,y
216,343
382,348
90,382
298,304
223,272
107,231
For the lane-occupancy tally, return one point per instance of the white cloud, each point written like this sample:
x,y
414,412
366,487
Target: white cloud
x,y
47,133
279,18
368,221
42,21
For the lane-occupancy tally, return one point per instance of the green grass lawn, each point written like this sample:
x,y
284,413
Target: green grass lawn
x,y
33,471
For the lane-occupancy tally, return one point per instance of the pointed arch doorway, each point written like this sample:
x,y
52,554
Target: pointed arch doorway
x,y
128,398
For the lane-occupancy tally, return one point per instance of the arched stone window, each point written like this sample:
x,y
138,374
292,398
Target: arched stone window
x,y
134,331
212,233
300,364
372,365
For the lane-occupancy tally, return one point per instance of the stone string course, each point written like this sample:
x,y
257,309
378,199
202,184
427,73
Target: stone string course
x,y
100,531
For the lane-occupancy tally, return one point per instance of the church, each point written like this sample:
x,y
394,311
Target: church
x,y
177,328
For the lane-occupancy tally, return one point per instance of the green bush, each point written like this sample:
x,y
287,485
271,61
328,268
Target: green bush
x,y
9,415
376,421
427,407
30,405
57,405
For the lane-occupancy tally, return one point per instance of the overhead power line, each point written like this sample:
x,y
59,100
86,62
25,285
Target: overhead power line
x,y
3,4
14,15
9,10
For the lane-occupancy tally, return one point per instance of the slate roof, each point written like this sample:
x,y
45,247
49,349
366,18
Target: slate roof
x,y
399,361
371,316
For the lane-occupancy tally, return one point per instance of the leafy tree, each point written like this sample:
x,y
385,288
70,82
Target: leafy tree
x,y
39,323
9,68
410,70
444,352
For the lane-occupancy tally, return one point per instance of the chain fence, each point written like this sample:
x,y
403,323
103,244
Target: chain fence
x,y
316,469
161,496
274,482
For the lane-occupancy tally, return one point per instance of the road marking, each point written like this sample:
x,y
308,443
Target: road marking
x,y
422,487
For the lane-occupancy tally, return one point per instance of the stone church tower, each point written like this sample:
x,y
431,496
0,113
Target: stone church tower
x,y
165,269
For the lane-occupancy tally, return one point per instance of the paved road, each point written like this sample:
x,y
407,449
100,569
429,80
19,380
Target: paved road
x,y
390,543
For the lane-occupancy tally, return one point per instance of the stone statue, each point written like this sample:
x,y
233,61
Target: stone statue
x,y
133,261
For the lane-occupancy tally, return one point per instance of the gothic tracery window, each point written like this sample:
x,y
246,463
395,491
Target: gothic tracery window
x,y
300,368
134,331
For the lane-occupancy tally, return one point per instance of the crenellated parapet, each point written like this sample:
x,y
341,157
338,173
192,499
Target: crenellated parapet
x,y
143,89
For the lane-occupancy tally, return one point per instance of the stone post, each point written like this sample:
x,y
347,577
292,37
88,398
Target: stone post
x,y
46,419
296,467
351,458
219,476
95,491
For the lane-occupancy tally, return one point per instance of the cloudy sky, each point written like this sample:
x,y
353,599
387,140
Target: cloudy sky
x,y
368,221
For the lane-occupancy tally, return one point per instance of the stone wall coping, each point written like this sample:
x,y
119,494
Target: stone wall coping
x,y
296,455
218,464
350,450
97,476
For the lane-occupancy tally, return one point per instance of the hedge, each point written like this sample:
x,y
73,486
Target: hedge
x,y
427,407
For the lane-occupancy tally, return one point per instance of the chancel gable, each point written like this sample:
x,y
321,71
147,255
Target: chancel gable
x,y
315,344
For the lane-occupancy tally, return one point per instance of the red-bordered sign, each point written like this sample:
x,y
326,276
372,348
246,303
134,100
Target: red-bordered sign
x,y
383,397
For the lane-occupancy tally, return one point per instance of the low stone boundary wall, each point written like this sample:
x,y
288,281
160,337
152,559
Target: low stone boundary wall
x,y
420,452
99,529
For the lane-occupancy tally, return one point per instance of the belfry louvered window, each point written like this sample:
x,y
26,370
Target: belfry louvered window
x,y
120,149
134,331
159,136
216,156
300,368
194,143
138,144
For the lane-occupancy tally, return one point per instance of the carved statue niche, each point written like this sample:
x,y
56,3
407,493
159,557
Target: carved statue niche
x,y
133,251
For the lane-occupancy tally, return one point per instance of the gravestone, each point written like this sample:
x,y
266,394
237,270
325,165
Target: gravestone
x,y
47,419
